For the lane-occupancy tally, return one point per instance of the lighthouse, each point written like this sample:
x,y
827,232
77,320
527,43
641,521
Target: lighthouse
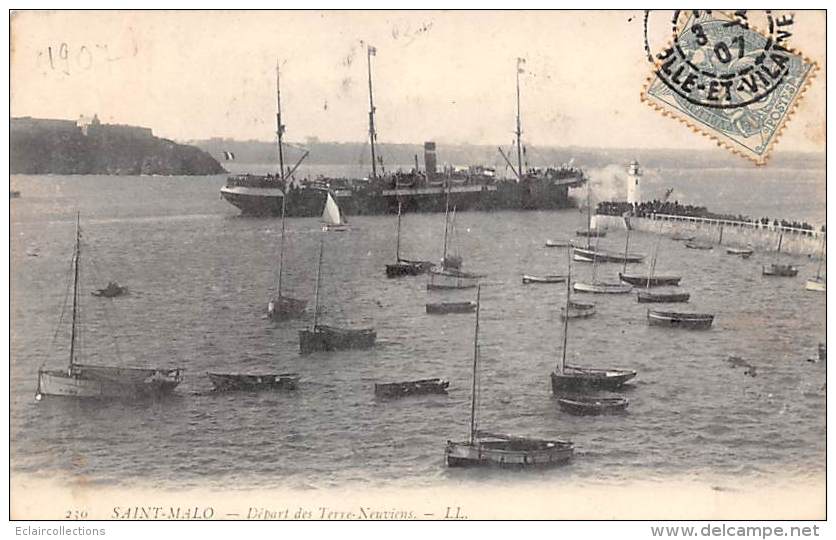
x,y
634,174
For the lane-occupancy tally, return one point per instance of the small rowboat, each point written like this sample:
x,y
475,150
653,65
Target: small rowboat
x,y
593,405
816,284
553,278
600,287
574,379
411,388
675,319
646,297
596,255
592,233
578,310
408,268
557,243
743,252
451,307
224,382
648,281
698,245
683,237
112,290
780,270
499,450
333,338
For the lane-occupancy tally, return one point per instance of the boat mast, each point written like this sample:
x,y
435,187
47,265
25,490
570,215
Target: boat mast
x,y
626,247
398,245
562,366
821,260
371,51
658,242
446,222
75,289
519,130
588,217
280,132
475,364
318,277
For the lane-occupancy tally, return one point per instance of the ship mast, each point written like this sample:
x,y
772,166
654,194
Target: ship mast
x,y
475,364
519,130
280,133
398,245
372,51
75,290
318,277
562,366
446,223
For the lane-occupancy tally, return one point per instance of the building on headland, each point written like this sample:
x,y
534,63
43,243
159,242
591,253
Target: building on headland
x,y
634,173
86,125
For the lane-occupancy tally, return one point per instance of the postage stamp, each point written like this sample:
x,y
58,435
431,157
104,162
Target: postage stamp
x,y
729,81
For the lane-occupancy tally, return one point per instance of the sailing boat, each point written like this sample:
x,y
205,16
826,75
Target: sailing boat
x,y
450,274
94,381
331,338
818,283
589,254
779,269
595,286
651,279
573,378
405,267
332,218
484,448
282,307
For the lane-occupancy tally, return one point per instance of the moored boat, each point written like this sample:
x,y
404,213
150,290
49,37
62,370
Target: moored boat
x,y
591,233
742,252
581,405
683,237
552,278
818,283
411,388
577,310
112,290
557,243
649,280
780,270
589,254
226,382
646,297
692,244
449,274
405,267
601,287
676,319
451,307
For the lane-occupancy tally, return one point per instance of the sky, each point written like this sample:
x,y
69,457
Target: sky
x,y
443,76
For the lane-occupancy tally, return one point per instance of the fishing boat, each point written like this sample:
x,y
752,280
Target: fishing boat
x,y
676,319
651,279
601,255
227,382
581,405
645,297
551,278
818,283
691,244
490,449
780,270
450,275
577,310
557,243
405,267
320,337
332,218
441,308
599,287
410,388
97,381
566,378
282,307
740,252
112,290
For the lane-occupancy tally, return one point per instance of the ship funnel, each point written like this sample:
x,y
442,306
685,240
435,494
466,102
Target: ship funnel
x,y
429,159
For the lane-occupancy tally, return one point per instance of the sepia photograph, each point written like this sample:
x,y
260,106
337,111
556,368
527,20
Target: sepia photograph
x,y
396,265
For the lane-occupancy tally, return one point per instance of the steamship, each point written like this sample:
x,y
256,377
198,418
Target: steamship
x,y
472,188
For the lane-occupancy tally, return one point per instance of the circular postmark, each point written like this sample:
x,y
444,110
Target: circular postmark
x,y
719,61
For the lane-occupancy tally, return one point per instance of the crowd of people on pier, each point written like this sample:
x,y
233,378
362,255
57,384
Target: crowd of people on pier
x,y
648,208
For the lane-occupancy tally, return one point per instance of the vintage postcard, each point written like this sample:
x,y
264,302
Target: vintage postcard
x,y
417,265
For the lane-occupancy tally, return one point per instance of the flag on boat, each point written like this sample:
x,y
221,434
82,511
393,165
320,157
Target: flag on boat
x,y
229,156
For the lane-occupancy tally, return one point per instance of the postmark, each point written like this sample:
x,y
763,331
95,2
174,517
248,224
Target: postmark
x,y
729,81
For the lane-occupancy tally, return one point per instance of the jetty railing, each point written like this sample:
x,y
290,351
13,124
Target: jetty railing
x,y
742,224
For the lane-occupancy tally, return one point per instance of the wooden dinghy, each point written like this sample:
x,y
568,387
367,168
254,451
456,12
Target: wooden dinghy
x,y
601,287
600,255
499,450
675,319
227,382
411,388
698,245
112,290
441,308
780,270
557,243
332,338
406,267
577,310
552,278
581,405
649,281
647,297
741,252
579,379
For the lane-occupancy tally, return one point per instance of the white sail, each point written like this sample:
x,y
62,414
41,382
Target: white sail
x,y
331,214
